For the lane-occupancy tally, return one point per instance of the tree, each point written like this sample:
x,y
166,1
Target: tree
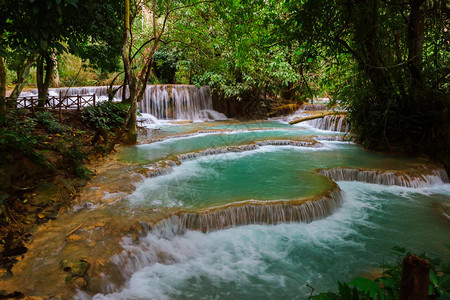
x,y
398,94
138,55
38,29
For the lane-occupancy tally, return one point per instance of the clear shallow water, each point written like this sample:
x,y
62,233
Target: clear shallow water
x,y
276,262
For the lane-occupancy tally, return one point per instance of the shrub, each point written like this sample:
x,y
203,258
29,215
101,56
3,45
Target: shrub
x,y
50,123
16,135
106,116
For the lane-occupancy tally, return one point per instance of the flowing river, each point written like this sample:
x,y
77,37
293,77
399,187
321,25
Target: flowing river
x,y
240,210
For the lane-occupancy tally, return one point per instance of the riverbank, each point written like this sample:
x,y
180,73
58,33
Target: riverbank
x,y
43,169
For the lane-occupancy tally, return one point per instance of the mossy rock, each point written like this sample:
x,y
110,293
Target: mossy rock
x,y
76,269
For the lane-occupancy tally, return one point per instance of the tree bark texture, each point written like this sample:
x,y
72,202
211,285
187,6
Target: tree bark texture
x,y
2,86
415,278
415,40
43,81
22,76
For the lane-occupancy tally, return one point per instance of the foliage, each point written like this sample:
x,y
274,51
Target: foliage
x,y
236,48
107,115
388,286
165,65
16,135
73,72
72,153
40,30
49,121
393,72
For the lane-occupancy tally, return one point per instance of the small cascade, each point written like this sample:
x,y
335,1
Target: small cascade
x,y
147,119
256,212
333,138
417,178
288,143
209,114
313,107
146,250
337,123
166,167
99,91
180,102
249,147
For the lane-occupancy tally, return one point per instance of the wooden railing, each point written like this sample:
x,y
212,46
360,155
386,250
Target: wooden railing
x,y
58,103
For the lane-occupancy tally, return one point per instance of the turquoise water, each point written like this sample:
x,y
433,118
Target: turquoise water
x,y
276,262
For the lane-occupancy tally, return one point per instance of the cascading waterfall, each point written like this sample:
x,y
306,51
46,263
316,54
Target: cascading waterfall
x,y
337,123
256,212
180,102
139,254
415,178
310,107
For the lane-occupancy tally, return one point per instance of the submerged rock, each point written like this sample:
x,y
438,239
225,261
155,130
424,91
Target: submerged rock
x,y
78,272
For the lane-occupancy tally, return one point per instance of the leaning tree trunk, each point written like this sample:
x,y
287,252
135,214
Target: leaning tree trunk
x,y
2,86
43,82
22,76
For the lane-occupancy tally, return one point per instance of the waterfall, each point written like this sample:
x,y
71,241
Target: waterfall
x,y
145,250
180,102
337,123
333,122
249,147
310,107
255,212
420,177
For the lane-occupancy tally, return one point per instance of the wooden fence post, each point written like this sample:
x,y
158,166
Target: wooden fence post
x,y
94,99
60,107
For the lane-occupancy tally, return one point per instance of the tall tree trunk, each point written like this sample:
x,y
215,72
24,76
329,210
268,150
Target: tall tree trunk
x,y
415,40
43,82
22,76
130,79
55,79
132,123
2,86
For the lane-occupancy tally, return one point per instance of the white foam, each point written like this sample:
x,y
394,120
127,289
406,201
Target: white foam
x,y
241,256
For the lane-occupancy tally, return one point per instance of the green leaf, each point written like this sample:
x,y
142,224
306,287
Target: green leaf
x,y
433,278
368,286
